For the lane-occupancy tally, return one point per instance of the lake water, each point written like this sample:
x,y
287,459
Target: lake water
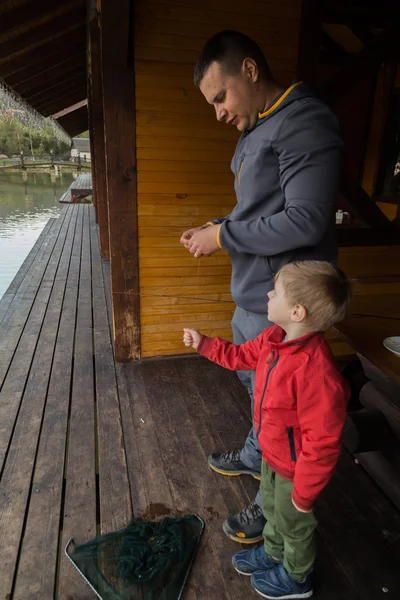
x,y
25,208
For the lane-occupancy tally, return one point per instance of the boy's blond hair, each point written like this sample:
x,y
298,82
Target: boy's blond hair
x,y
320,287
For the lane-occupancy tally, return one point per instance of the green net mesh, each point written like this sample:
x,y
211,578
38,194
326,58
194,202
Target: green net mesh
x,y
146,560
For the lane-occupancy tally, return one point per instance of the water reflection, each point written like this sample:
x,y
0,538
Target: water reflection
x,y
27,201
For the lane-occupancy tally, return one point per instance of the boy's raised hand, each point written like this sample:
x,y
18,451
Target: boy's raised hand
x,y
191,338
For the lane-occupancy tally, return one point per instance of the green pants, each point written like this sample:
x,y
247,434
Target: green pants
x,y
288,533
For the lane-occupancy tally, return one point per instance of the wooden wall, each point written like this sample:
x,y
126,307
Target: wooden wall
x,y
183,157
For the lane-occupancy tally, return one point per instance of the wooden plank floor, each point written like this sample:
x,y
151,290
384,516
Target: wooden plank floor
x,y
82,186
86,444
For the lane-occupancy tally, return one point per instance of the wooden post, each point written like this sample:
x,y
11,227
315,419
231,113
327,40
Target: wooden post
x,y
309,40
90,127
95,107
116,23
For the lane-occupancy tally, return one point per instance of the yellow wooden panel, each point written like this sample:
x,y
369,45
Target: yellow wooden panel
x,y
147,281
261,30
190,42
190,108
180,291
184,188
148,83
189,57
202,324
166,221
192,271
185,176
223,133
176,337
177,319
214,147
196,200
158,242
172,166
183,121
158,210
195,308
186,260
223,156
184,92
151,346
168,227
196,14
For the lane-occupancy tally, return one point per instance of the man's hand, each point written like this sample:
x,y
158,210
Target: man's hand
x,y
189,234
204,242
191,338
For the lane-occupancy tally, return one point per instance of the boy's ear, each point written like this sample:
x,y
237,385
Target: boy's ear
x,y
299,313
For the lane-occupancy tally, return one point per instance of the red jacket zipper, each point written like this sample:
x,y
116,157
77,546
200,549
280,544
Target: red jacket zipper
x,y
273,365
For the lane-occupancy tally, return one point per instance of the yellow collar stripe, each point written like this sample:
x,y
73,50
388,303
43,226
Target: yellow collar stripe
x,y
278,102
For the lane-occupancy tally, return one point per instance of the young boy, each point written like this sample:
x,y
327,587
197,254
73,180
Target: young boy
x,y
299,411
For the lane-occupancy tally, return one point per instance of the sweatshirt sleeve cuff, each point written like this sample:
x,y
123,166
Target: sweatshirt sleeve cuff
x,y
218,237
205,345
300,503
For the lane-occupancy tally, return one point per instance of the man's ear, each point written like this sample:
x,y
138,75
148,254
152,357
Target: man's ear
x,y
250,69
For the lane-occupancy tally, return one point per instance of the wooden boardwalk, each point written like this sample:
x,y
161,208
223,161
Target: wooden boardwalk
x,y
80,188
86,444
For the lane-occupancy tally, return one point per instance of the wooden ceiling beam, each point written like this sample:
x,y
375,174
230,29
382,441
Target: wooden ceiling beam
x,y
45,70
48,107
31,15
72,41
43,34
54,82
67,87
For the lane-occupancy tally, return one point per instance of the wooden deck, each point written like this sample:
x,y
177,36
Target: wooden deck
x,y
86,444
80,188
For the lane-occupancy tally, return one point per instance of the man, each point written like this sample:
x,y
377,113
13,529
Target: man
x,y
287,168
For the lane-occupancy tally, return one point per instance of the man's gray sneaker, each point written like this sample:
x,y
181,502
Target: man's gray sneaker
x,y
246,527
229,463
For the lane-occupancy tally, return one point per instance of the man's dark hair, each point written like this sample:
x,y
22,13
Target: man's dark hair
x,y
229,49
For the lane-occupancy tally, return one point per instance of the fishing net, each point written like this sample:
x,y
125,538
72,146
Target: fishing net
x,y
145,560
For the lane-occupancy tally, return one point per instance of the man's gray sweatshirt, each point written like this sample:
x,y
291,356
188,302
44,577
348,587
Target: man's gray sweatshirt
x,y
287,174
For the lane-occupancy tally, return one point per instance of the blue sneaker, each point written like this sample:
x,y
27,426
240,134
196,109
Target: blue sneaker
x,y
247,562
276,583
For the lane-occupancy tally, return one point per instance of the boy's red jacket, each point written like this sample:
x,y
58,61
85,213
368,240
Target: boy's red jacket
x,y
300,401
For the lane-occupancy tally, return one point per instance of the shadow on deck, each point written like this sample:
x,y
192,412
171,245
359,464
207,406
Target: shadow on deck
x,y
86,444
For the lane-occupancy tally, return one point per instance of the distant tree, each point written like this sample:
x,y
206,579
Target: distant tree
x,y
15,136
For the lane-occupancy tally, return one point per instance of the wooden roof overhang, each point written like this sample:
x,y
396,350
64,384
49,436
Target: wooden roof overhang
x,y
43,50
